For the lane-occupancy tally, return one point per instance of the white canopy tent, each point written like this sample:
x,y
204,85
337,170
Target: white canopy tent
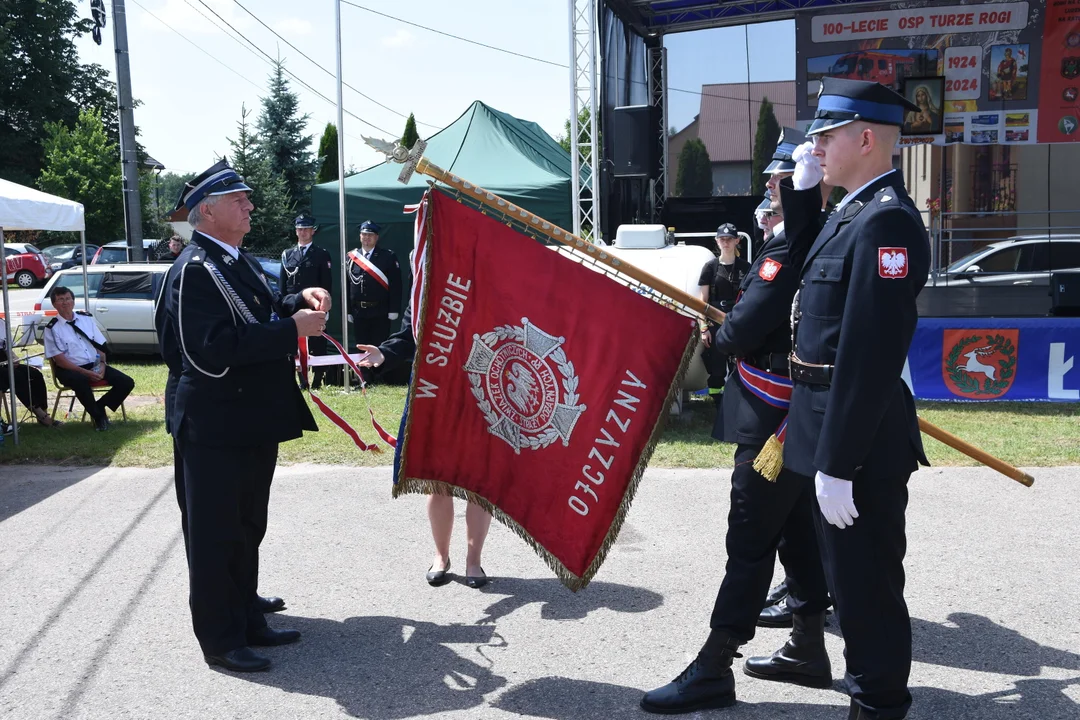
x,y
23,208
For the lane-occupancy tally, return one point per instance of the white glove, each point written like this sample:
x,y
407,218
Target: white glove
x,y
834,497
350,317
808,172
393,316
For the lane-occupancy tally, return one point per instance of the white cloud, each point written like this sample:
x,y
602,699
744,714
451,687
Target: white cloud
x,y
293,26
402,38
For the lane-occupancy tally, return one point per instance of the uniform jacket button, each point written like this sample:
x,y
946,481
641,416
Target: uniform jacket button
x,y
822,272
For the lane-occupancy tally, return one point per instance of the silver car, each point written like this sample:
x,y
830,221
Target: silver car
x,y
1020,260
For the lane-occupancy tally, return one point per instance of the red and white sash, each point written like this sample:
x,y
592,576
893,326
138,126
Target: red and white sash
x,y
369,267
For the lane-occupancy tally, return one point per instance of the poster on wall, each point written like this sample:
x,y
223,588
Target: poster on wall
x,y
982,72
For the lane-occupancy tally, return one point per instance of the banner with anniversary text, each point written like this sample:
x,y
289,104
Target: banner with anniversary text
x,y
539,386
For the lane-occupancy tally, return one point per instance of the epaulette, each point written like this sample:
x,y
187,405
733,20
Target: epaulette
x,y
887,196
52,322
84,312
197,257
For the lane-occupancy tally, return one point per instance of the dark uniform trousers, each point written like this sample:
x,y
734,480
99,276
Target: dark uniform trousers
x,y
860,424
761,512
764,515
121,387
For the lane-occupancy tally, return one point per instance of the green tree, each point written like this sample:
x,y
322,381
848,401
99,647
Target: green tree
x,y
328,167
281,138
82,164
155,206
694,178
409,138
768,132
271,220
42,81
169,185
583,124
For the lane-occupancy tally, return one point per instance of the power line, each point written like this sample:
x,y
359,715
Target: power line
x,y
325,70
291,74
209,55
458,37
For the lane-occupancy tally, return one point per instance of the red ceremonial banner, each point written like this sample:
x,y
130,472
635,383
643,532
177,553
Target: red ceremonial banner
x,y
539,386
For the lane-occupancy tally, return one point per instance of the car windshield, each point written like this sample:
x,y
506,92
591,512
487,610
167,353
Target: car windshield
x,y
959,264
58,251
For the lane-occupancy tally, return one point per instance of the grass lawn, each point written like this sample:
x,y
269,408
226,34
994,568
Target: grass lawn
x,y
1024,434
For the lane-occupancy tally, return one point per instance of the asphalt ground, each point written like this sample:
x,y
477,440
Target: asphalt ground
x,y
95,622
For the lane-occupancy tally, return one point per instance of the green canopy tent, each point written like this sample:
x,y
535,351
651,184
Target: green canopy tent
x,y
511,157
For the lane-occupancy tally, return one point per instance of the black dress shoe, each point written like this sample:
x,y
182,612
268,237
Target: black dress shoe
x,y
477,581
242,659
435,578
775,616
101,423
777,594
269,604
269,637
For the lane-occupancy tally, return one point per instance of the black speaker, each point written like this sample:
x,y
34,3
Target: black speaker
x,y
1065,293
635,147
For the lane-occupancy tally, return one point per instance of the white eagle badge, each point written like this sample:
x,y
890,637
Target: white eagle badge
x,y
892,263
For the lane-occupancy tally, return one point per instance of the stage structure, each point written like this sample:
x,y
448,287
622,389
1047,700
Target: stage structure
x,y
617,60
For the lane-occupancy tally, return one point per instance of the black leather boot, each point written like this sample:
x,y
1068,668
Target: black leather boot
x,y
857,712
706,684
803,659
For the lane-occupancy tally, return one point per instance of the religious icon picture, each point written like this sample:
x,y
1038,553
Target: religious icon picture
x,y
929,94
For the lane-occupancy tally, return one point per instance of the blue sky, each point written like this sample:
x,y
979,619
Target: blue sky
x,y
192,98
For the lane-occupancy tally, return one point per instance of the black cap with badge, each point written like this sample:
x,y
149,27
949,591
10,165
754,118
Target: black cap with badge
x,y
782,160
842,101
218,179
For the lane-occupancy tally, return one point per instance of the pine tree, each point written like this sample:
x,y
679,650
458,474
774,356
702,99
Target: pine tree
x,y
82,164
271,220
328,167
768,133
281,139
409,138
42,81
694,178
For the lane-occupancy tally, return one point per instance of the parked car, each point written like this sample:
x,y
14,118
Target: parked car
x,y
63,257
1020,260
272,268
121,301
117,252
26,265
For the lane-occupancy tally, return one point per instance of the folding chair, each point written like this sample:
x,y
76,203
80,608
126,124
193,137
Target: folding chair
x,y
99,388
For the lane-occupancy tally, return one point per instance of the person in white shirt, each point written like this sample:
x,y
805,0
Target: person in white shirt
x,y
77,349
29,383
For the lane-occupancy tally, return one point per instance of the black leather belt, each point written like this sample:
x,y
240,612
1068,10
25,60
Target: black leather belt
x,y
366,305
811,374
776,363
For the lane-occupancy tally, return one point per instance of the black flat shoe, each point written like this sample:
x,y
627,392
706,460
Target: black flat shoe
x,y
435,578
269,604
269,637
477,581
242,659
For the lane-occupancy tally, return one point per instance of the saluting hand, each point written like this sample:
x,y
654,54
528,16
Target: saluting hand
x,y
317,299
808,172
309,322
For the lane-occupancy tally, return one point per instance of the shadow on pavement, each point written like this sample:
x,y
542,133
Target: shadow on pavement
x,y
387,668
559,604
973,642
18,494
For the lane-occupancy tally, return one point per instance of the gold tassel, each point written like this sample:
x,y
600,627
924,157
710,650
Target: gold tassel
x,y
770,461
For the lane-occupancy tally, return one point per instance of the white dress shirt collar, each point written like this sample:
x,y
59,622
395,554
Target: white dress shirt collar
x,y
235,252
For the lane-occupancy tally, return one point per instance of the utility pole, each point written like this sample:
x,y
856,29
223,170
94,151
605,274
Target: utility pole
x,y
129,160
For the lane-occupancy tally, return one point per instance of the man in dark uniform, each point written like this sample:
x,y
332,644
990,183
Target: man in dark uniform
x,y
757,331
374,288
852,423
304,266
236,398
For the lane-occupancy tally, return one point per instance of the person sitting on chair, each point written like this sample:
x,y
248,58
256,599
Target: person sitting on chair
x,y
77,349
29,384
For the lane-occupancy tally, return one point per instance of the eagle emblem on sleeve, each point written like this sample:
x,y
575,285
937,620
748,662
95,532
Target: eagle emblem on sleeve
x,y
892,263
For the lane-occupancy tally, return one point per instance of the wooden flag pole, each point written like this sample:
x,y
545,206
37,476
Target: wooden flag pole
x,y
414,161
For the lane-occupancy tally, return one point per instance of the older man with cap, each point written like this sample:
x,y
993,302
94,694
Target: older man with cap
x,y
235,400
303,266
374,288
852,423
757,331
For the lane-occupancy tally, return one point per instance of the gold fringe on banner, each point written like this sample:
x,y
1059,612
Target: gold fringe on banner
x,y
421,486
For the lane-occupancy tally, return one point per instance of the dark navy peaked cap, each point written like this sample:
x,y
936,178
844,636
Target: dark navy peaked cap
x,y
220,179
369,226
782,162
305,220
845,101
765,205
